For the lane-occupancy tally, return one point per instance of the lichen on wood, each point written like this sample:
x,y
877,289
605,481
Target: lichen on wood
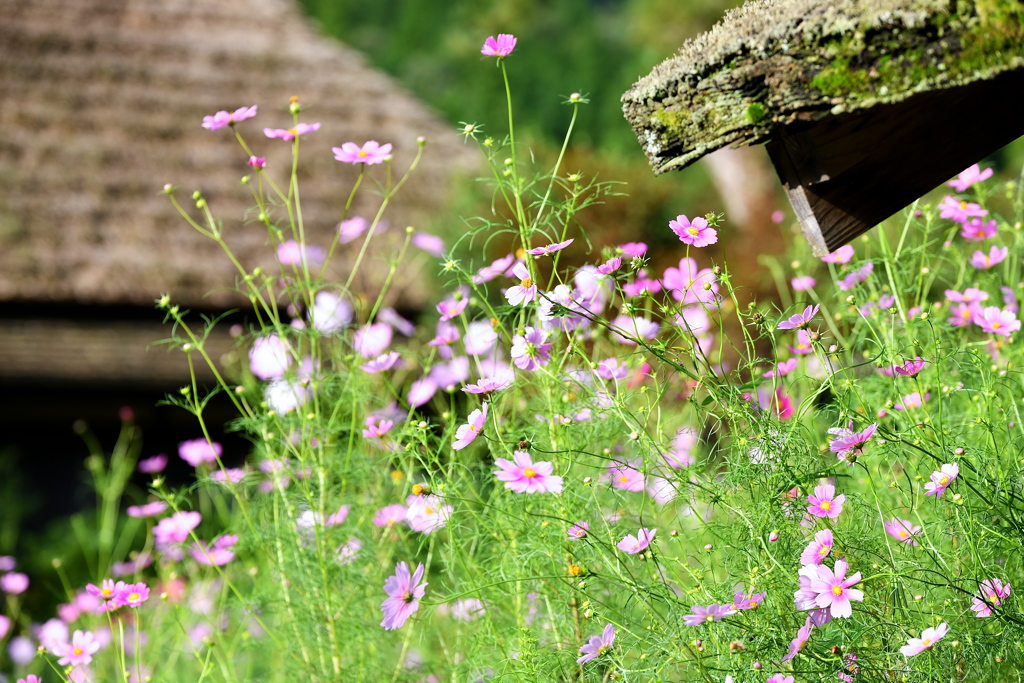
x,y
773,62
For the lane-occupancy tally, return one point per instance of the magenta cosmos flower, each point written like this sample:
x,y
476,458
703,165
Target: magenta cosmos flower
x,y
818,549
132,594
198,451
827,589
969,177
526,476
501,46
702,615
598,645
529,350
800,320
995,256
389,515
79,651
994,320
290,134
465,434
370,153
224,118
525,291
803,283
780,678
824,502
978,229
843,254
549,249
404,594
151,509
798,643
848,444
990,592
960,212
14,583
696,233
578,530
636,544
175,529
929,637
902,530
152,465
941,480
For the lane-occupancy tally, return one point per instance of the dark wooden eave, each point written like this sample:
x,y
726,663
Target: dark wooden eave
x,y
865,104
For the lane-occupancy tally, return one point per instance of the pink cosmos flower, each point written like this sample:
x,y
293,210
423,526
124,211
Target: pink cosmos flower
x,y
609,266
855,277
912,400
978,229
990,592
800,320
451,308
389,516
549,249
611,369
830,589
703,615
269,357
818,549
994,320
289,134
902,530
798,643
637,544
480,338
175,529
995,256
525,291
803,344
291,253
432,244
780,678
14,583
962,315
848,444
469,609
79,651
929,637
198,451
959,211
690,285
5,626
501,46
31,678
224,118
597,645
910,368
526,476
626,477
497,267
696,234
404,593
218,553
968,177
257,162
465,434
152,465
633,249
347,552
372,340
421,391
843,254
370,153
486,385
783,368
680,454
427,514
133,594
529,350
825,503
351,229
742,601
941,480
332,312
381,363
376,427
803,283
578,530
151,509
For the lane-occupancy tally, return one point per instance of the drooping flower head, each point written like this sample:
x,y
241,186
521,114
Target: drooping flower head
x,y
370,153
525,476
465,434
696,233
929,637
798,643
941,480
597,645
404,593
500,47
990,593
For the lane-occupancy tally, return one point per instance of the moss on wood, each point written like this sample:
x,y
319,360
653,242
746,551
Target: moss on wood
x,y
773,62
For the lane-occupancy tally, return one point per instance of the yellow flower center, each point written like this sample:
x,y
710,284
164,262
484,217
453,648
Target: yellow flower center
x,y
107,592
363,153
943,481
902,533
994,599
996,325
526,284
692,230
429,511
529,473
837,590
623,478
823,551
826,505
963,205
709,617
293,131
77,651
132,597
926,642
753,604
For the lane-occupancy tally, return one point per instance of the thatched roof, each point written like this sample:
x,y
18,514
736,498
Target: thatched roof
x,y
772,63
102,105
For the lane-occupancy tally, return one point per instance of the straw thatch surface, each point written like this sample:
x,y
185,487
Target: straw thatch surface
x,y
102,104
775,62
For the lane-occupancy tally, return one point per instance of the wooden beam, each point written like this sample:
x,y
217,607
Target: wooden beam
x,y
846,173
